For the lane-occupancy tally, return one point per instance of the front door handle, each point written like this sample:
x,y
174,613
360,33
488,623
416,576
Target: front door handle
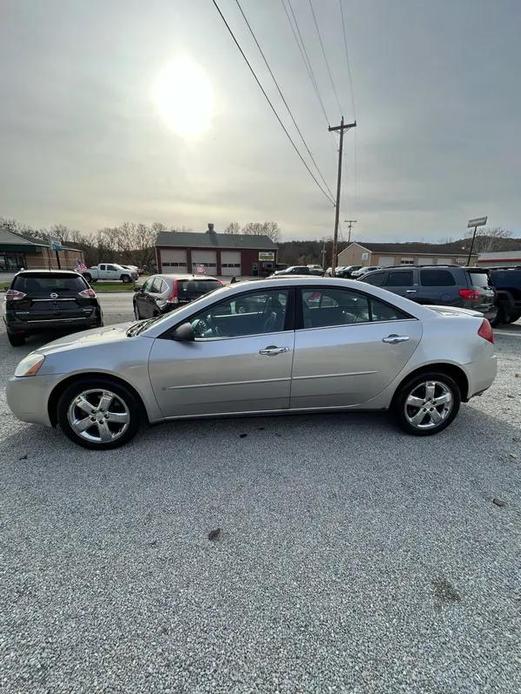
x,y
395,339
273,350
410,291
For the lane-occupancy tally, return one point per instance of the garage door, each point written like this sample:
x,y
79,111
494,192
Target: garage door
x,y
231,263
173,260
206,260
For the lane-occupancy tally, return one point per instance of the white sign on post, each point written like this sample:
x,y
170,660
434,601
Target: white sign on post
x,y
478,222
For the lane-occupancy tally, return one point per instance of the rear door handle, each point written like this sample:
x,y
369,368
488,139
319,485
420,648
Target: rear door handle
x,y
410,291
273,350
395,339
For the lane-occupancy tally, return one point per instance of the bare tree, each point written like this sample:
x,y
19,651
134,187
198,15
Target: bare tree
x,y
270,229
233,228
488,239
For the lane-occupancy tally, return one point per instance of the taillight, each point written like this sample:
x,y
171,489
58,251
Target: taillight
x,y
470,294
173,298
485,331
87,293
14,295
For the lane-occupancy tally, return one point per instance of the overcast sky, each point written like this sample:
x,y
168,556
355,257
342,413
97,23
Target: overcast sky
x,y
436,87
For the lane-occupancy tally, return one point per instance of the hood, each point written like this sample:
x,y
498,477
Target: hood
x,y
96,336
455,311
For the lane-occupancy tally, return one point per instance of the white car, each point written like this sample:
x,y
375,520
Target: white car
x,y
110,271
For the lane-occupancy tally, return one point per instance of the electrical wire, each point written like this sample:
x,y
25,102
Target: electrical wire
x,y
284,100
304,54
270,103
348,63
325,57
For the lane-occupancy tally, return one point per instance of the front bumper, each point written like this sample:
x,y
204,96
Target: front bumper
x,y
28,398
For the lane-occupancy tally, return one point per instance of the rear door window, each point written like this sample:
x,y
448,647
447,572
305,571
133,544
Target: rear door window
x,y
44,284
437,278
156,286
377,279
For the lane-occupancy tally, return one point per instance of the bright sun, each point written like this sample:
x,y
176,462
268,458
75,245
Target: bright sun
x,y
183,97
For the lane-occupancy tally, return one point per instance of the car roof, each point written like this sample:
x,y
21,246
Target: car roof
x,y
185,276
43,271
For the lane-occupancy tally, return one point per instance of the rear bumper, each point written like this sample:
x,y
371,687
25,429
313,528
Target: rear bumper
x,y
27,327
481,375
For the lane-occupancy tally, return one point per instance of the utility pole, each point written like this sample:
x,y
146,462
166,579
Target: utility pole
x,y
350,223
323,253
343,126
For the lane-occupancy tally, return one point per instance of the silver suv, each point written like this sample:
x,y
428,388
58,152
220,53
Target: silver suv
x,y
439,285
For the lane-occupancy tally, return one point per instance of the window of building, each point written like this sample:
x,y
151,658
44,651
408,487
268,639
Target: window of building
x,y
407,261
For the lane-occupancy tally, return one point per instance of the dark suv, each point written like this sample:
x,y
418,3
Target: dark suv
x,y
507,283
442,285
47,300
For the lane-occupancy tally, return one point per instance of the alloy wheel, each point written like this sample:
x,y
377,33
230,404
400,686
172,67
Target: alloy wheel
x,y
428,405
98,416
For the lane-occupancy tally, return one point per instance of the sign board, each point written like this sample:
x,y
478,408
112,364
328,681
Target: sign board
x,y
56,245
365,256
267,256
478,222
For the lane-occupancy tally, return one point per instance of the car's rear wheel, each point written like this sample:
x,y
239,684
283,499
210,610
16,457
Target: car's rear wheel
x,y
427,403
500,317
16,340
99,414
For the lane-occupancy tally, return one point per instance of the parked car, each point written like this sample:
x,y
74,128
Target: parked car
x,y
316,269
507,284
441,285
48,300
347,271
133,268
162,293
311,344
296,270
357,274
110,271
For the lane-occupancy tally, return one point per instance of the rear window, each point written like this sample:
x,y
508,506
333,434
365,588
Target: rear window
x,y
437,278
479,279
47,284
197,287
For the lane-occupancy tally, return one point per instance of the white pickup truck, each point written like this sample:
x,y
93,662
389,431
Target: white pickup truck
x,y
110,271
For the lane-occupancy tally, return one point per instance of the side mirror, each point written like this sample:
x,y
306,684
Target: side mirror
x,y
184,333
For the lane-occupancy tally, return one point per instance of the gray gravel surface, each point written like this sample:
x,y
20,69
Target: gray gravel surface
x,y
348,558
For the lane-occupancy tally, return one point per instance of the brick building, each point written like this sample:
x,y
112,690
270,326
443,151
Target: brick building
x,y
215,254
16,253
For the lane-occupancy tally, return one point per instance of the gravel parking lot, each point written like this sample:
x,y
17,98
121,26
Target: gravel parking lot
x,y
350,557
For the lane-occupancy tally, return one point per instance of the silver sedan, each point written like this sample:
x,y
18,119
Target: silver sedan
x,y
304,344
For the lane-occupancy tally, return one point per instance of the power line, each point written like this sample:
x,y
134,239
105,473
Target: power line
x,y
325,56
348,64
304,54
269,101
284,100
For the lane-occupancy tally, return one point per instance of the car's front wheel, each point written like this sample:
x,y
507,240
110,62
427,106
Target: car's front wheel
x,y
99,414
16,340
427,403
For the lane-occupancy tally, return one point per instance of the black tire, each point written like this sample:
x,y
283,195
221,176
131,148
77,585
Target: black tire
x,y
501,317
16,340
125,279
134,407
403,412
513,317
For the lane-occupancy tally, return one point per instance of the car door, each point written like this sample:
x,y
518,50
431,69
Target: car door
x,y
102,272
239,361
348,347
112,273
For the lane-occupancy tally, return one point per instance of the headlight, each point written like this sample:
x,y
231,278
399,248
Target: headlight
x,y
30,365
